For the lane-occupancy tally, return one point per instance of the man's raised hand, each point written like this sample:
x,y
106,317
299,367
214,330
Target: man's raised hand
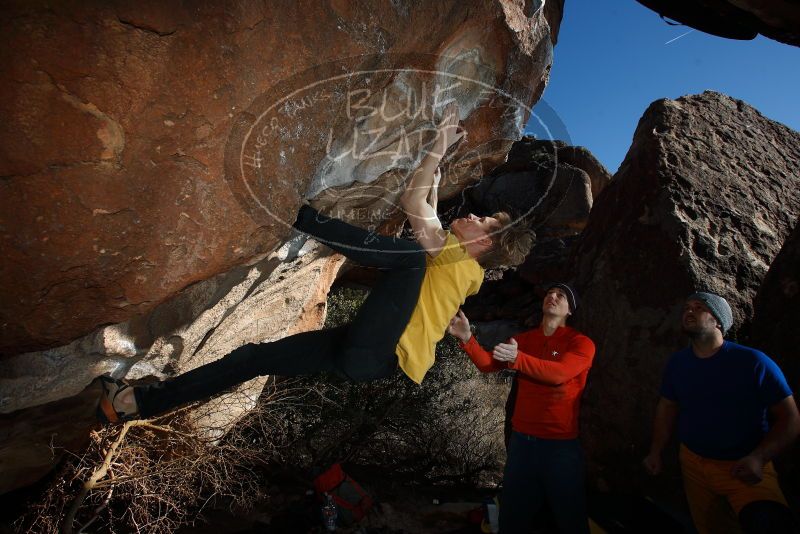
x,y
506,352
459,327
448,129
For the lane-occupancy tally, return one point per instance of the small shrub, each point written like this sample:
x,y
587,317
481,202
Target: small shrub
x,y
156,475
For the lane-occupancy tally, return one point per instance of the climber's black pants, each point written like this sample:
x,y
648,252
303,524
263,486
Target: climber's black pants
x,y
362,350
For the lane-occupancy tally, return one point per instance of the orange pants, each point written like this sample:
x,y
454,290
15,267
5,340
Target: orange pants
x,y
709,484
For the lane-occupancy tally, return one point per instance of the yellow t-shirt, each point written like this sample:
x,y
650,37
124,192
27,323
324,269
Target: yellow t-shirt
x,y
450,278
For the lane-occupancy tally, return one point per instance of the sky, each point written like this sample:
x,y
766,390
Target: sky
x,y
614,57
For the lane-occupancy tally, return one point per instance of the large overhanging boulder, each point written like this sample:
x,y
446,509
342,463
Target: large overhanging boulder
x,y
116,190
704,199
150,175
735,19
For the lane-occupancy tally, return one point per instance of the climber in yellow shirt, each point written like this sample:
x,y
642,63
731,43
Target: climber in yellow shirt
x,y
423,284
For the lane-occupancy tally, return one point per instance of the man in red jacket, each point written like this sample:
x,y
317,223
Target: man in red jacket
x,y
545,460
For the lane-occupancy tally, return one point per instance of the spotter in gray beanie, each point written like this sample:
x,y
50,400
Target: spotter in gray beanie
x,y
718,307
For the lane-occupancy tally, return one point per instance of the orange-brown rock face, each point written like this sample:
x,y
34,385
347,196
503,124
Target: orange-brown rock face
x,y
117,191
153,157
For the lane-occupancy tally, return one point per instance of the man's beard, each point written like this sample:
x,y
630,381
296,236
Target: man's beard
x,y
698,335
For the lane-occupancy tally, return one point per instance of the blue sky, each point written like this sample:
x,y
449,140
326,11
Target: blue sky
x,y
613,59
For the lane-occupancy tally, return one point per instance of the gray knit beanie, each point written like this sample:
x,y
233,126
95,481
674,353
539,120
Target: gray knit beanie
x,y
718,307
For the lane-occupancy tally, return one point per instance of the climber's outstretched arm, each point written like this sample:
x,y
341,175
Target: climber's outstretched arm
x,y
418,201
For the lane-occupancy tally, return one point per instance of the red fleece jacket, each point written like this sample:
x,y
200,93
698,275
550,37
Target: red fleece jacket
x,y
552,373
